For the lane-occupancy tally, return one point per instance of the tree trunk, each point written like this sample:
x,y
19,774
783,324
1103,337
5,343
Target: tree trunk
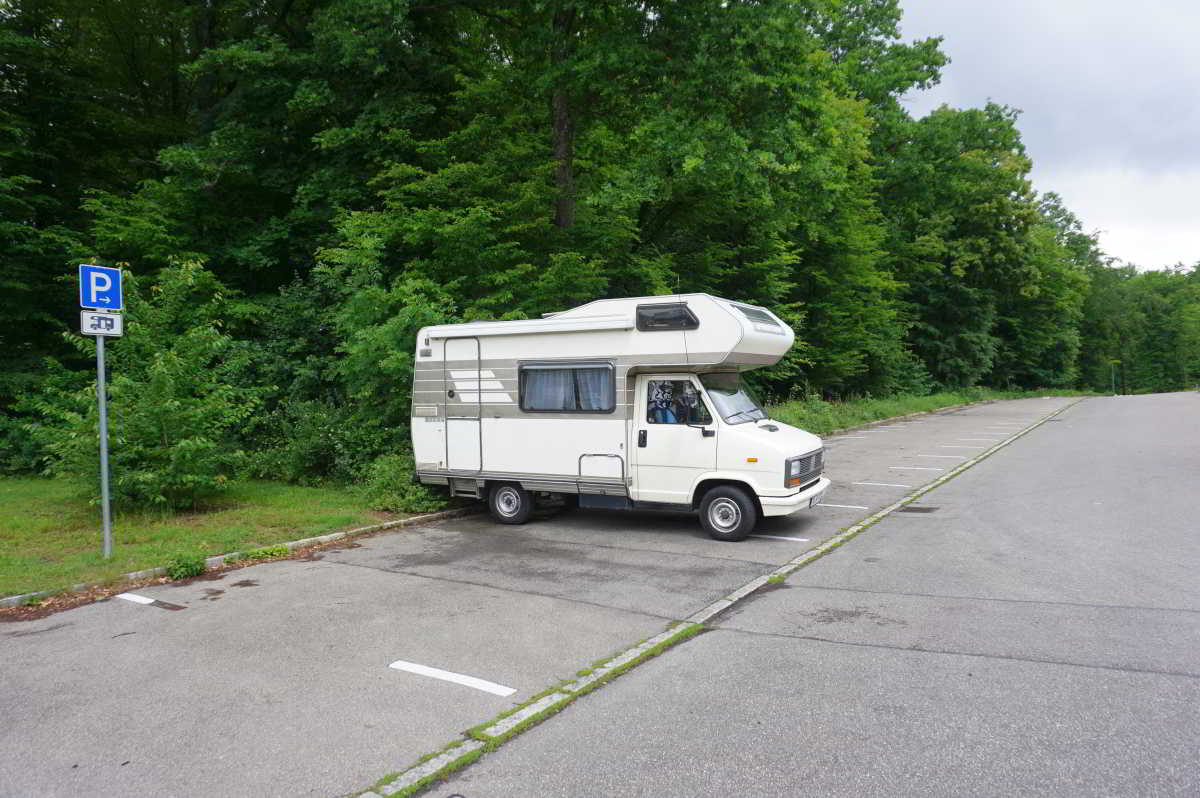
x,y
563,122
204,38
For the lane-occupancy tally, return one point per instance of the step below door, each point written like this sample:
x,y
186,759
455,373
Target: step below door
x,y
464,443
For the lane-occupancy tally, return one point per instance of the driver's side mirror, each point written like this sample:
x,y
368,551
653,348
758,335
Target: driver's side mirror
x,y
687,419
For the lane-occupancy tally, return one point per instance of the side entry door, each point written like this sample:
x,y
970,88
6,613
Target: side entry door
x,y
675,440
464,443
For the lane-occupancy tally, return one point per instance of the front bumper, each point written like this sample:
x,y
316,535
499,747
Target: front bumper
x,y
786,505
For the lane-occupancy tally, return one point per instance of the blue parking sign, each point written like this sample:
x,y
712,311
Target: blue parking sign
x,y
100,287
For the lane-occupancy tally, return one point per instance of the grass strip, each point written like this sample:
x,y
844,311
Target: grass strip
x,y
822,417
51,539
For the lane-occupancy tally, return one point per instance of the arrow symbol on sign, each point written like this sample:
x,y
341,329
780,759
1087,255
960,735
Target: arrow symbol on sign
x,y
104,299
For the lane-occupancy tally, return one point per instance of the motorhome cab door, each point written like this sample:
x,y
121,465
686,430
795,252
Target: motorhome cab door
x,y
669,453
464,446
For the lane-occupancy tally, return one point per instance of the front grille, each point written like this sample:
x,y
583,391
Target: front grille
x,y
811,466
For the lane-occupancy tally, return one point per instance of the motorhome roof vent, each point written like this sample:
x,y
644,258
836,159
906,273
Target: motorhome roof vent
x,y
668,316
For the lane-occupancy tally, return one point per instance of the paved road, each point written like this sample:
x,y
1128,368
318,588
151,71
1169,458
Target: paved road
x,y
274,680
1036,632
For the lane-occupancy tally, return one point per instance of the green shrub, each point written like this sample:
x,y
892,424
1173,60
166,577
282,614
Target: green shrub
x,y
173,411
184,566
267,552
389,486
20,452
22,449
313,442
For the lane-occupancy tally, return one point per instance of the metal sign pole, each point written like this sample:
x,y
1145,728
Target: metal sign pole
x,y
101,397
101,286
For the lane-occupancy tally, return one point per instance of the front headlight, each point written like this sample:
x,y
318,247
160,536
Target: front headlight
x,y
791,472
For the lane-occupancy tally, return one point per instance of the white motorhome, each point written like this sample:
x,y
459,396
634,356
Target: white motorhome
x,y
624,403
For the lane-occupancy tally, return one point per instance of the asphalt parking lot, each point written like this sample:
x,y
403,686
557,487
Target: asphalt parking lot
x,y
279,679
1034,631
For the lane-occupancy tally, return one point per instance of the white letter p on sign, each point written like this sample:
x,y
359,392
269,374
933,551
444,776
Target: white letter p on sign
x,y
101,282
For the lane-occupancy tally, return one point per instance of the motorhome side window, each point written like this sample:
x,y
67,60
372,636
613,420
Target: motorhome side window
x,y
675,402
584,388
674,316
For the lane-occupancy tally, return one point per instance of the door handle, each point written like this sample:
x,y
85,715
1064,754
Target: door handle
x,y
642,439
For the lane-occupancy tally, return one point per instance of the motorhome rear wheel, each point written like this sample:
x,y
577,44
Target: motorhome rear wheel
x,y
510,504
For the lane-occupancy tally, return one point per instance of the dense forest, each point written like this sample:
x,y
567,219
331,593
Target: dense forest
x,y
293,187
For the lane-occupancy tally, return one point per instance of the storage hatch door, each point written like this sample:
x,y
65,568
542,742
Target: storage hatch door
x,y
464,442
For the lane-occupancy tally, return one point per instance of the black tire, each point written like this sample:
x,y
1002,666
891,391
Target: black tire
x,y
509,503
728,513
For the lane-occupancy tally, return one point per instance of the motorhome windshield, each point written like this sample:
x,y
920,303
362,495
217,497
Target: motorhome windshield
x,y
732,400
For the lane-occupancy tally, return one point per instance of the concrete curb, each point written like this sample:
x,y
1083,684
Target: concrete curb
x,y
414,776
213,562
417,778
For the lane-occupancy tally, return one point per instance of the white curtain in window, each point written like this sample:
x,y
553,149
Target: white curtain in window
x,y
595,388
549,389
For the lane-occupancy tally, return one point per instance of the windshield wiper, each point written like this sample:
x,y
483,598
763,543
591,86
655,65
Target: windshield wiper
x,y
741,412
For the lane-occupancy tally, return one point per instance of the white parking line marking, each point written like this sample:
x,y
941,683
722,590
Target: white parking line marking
x,y
915,468
884,484
946,456
135,598
780,537
457,678
845,506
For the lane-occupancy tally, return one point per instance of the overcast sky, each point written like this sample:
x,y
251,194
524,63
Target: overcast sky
x,y
1110,99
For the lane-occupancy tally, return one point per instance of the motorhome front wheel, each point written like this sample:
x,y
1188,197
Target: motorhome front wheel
x,y
728,513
